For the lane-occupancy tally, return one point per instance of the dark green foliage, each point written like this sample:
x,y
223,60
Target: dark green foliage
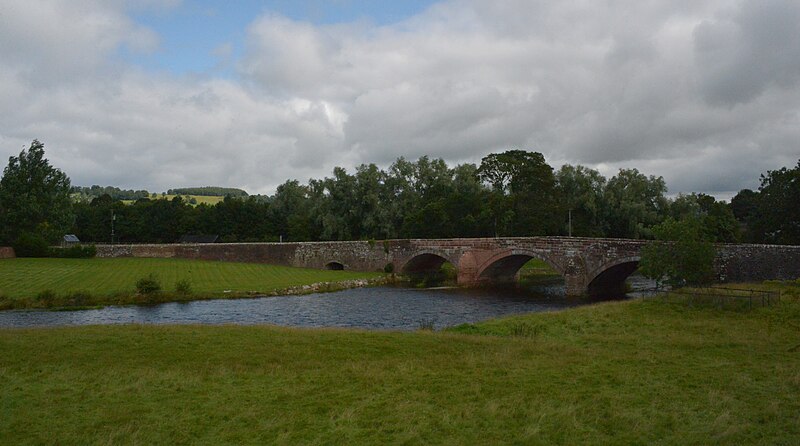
x,y
34,197
778,216
183,286
681,254
771,215
74,252
745,205
31,245
209,191
582,194
514,193
89,193
634,203
716,218
148,285
523,200
388,268
46,298
78,299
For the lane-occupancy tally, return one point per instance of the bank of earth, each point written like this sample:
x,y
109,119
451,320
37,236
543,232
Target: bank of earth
x,y
74,283
632,372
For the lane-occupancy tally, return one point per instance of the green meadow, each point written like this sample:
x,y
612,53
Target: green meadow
x,y
52,282
634,372
200,199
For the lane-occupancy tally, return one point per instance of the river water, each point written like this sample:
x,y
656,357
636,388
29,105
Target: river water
x,y
385,308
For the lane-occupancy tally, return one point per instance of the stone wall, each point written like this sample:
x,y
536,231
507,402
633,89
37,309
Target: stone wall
x,y
358,255
7,252
579,260
744,263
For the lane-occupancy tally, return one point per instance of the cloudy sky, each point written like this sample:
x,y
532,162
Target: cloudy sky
x,y
157,94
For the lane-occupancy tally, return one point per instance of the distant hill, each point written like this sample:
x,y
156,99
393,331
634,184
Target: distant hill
x,y
83,193
114,192
208,191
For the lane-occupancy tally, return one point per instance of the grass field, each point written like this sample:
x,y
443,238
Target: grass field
x,y
104,281
635,372
207,199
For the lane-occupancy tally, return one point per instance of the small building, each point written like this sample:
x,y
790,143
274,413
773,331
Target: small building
x,y
198,238
70,240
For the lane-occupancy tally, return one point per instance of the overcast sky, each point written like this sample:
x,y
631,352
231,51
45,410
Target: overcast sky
x,y
159,94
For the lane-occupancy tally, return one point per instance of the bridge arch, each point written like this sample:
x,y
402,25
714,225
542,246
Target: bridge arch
x,y
425,262
503,266
610,276
334,265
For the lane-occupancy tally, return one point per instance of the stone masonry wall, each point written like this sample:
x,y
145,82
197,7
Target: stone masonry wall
x,y
743,263
579,260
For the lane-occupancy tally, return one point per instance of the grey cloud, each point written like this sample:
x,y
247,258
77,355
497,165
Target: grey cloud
x,y
755,48
704,93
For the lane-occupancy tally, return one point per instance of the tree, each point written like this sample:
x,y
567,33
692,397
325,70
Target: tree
x,y
778,216
581,190
634,203
744,205
681,254
34,197
523,198
716,217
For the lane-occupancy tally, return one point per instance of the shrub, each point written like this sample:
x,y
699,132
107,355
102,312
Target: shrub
x,y
183,286
31,245
148,285
79,299
388,268
74,252
47,298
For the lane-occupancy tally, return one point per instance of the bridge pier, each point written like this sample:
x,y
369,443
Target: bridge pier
x,y
575,285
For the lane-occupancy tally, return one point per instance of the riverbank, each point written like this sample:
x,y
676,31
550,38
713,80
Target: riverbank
x,y
82,283
642,371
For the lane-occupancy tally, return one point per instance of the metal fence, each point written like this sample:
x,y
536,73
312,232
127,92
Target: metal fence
x,y
719,297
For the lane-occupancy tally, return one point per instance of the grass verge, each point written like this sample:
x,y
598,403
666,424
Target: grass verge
x,y
634,372
49,283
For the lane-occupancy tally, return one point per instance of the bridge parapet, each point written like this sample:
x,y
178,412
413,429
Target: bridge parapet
x,y
584,262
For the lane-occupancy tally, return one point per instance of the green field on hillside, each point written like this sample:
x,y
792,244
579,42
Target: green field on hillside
x,y
634,372
104,281
207,199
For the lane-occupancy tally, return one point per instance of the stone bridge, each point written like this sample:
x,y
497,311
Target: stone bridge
x,y
588,265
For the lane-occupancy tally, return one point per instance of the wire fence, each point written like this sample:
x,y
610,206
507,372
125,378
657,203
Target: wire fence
x,y
719,297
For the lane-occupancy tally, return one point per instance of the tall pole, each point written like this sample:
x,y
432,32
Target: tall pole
x,y
570,222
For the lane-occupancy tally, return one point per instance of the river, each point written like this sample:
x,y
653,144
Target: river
x,y
382,308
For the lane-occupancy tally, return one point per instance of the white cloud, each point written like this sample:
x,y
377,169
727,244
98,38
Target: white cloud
x,y
702,92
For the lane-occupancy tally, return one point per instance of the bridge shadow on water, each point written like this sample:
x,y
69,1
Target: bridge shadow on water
x,y
530,278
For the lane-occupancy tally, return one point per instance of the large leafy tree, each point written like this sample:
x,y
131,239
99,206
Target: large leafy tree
x,y
34,197
716,217
582,196
523,192
778,216
682,254
634,203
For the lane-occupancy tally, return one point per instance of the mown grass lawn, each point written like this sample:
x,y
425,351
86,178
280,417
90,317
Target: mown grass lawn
x,y
111,280
635,372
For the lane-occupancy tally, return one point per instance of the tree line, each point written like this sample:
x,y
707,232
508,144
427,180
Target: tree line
x,y
513,193
208,191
